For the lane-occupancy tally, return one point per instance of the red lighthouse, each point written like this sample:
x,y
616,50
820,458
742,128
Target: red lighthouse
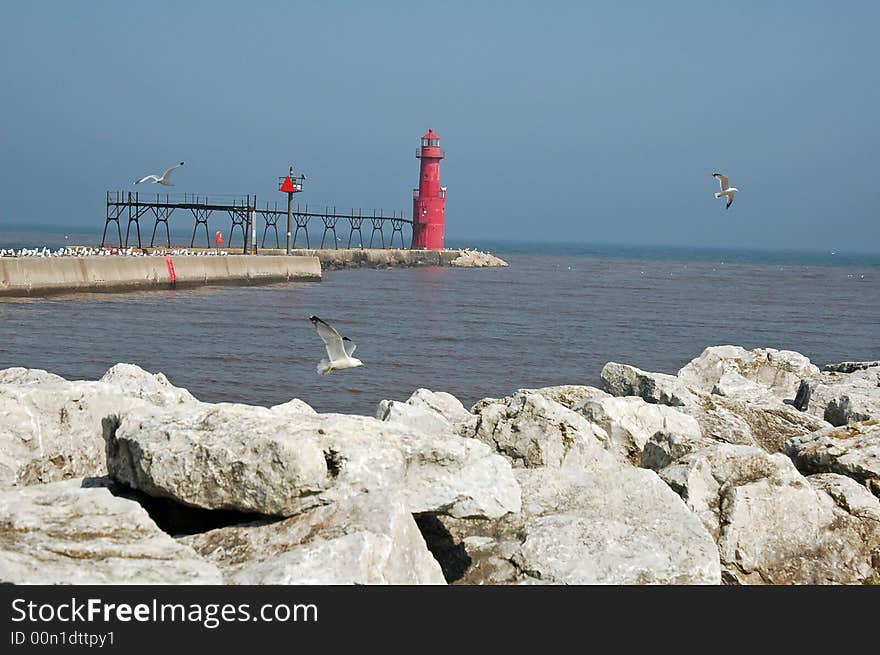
x,y
429,200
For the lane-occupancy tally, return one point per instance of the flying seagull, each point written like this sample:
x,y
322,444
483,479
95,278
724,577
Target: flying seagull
x,y
165,179
339,349
726,189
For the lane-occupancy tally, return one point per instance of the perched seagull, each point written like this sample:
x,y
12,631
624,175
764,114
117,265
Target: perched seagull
x,y
339,349
726,189
165,179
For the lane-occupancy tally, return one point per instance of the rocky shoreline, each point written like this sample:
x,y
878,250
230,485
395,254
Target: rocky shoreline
x,y
380,258
746,467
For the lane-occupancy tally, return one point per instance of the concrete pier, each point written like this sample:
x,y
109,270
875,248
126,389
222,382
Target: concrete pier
x,y
26,276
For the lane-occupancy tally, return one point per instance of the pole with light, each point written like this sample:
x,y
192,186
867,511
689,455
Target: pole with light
x,y
290,185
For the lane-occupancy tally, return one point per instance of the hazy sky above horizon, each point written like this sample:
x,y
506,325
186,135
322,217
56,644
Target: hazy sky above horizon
x,y
562,121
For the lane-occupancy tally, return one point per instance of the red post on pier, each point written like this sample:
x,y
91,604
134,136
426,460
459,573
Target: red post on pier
x,y
429,200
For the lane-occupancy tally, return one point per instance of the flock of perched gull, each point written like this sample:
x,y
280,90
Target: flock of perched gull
x,y
87,251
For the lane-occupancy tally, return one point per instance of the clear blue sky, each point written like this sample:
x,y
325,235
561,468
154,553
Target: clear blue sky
x,y
592,122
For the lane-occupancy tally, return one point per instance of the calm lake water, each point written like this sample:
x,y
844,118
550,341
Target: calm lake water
x,y
555,316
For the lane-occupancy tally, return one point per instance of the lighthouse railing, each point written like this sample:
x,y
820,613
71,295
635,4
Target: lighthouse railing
x,y
439,153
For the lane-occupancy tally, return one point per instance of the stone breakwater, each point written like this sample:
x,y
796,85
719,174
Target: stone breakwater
x,y
332,258
745,467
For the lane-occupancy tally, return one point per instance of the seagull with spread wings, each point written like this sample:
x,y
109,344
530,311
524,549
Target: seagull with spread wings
x,y
165,179
339,349
726,189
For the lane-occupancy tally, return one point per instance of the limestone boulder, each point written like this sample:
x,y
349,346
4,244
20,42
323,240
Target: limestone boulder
x,y
665,448
365,539
532,431
721,419
771,525
852,497
64,533
738,422
852,450
435,411
131,380
841,398
292,408
658,388
567,395
612,526
442,403
50,429
630,421
780,371
251,459
476,259
25,377
217,457
734,386
414,417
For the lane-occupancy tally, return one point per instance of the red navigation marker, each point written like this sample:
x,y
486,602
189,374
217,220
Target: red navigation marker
x,y
287,186
172,276
218,238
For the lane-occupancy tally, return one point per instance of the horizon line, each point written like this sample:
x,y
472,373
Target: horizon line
x,y
61,229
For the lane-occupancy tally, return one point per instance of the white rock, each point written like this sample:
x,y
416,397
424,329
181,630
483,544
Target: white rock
x,y
28,376
293,407
852,450
133,381
532,431
659,388
613,526
738,422
720,419
845,398
736,387
665,448
51,429
438,475
849,495
778,370
629,422
366,539
62,533
475,258
218,457
567,395
444,404
253,460
771,525
413,417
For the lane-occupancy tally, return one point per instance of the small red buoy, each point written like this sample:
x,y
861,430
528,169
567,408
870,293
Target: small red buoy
x,y
218,238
